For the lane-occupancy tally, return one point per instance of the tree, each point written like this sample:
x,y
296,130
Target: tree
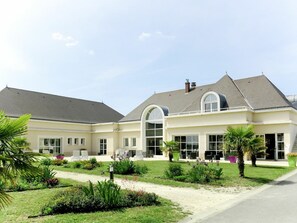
x,y
256,145
170,147
238,138
15,158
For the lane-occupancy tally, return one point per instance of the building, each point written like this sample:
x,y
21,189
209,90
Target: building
x,y
196,116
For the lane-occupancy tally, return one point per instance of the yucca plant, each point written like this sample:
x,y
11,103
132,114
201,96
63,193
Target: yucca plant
x,y
109,193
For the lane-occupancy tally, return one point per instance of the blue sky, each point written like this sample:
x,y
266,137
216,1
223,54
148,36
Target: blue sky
x,y
121,52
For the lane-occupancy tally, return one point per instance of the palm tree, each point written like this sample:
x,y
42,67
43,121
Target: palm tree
x,y
14,155
170,147
238,138
256,145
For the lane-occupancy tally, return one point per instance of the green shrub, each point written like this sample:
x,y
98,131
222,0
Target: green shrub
x,y
109,193
128,167
94,162
46,161
104,196
57,162
47,174
140,198
123,167
65,161
204,174
140,169
174,170
76,164
88,166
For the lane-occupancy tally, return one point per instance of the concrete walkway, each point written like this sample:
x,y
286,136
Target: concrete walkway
x,y
275,202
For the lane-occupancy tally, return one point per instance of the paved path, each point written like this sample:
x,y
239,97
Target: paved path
x,y
270,203
198,201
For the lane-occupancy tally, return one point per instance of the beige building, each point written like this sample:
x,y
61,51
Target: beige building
x,y
196,116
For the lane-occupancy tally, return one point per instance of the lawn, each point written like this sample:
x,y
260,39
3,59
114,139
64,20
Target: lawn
x,y
30,202
255,176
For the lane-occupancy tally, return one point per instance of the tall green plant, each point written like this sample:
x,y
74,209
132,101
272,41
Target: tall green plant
x,y
238,138
256,145
170,147
15,158
109,193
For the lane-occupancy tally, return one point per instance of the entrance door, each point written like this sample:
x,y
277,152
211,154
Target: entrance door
x,y
270,144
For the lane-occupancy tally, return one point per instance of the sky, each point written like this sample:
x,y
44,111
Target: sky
x,y
122,52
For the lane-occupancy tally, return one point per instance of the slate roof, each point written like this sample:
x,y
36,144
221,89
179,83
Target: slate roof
x,y
15,102
254,92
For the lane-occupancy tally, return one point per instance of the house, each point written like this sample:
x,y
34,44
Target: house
x,y
59,124
195,116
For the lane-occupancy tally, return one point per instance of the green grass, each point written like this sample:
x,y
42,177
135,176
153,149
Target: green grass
x,y
255,176
29,203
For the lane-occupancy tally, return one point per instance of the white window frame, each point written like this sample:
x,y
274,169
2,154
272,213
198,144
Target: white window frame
x,y
218,101
126,142
82,141
76,141
71,141
132,142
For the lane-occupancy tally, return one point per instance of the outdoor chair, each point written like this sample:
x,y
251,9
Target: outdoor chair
x,y
138,155
75,155
84,154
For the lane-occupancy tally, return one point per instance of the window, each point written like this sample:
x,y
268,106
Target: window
x,y
126,142
69,141
50,145
262,154
133,142
75,141
83,141
189,146
280,146
154,131
102,146
215,143
211,103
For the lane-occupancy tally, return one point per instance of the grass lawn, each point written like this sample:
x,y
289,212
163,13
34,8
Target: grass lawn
x,y
29,203
255,176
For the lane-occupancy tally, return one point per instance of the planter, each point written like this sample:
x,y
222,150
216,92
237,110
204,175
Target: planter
x,y
292,161
176,156
232,159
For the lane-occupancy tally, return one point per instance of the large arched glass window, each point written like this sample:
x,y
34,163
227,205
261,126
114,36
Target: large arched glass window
x,y
210,103
154,131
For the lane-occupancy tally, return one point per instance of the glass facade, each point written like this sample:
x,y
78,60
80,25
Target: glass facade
x,y
154,132
189,146
50,145
280,146
215,143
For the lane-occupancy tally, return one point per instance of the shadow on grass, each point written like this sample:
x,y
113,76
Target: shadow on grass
x,y
270,167
260,180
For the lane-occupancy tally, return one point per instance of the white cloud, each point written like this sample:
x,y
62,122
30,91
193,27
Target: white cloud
x,y
68,40
145,35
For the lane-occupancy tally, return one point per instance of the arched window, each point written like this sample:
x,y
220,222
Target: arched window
x,y
153,122
210,102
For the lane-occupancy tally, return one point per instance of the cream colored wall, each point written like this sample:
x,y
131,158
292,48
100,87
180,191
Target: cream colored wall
x,y
130,130
45,129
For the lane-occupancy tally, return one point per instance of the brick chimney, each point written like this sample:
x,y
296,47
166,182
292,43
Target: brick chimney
x,y
187,86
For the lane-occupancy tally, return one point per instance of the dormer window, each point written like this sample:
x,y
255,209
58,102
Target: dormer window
x,y
210,102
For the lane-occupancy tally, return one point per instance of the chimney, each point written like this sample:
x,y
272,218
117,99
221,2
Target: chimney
x,y
187,86
193,85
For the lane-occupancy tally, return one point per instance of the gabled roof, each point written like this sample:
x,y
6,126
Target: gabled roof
x,y
15,102
255,92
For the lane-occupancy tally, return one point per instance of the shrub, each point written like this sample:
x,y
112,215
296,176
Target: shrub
x,y
88,166
46,174
140,169
76,164
123,167
57,162
94,162
109,193
52,182
128,167
204,174
174,170
140,198
46,161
